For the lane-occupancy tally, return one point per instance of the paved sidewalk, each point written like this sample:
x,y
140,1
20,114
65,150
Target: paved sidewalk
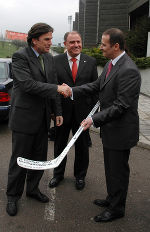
x,y
144,114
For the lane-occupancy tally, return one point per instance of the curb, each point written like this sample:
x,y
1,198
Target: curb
x,y
143,142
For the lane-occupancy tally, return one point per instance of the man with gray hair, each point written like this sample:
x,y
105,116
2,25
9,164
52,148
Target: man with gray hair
x,y
74,68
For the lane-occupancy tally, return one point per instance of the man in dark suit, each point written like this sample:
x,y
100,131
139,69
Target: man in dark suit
x,y
74,111
34,98
118,88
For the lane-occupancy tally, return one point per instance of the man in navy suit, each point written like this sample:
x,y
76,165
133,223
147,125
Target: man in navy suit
x,y
74,112
118,87
34,99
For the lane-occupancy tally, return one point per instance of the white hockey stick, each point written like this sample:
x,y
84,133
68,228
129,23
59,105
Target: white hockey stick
x,y
42,165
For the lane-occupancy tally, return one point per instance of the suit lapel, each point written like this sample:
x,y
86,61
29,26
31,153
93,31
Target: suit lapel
x,y
111,74
105,80
66,64
103,75
34,59
115,69
46,65
82,64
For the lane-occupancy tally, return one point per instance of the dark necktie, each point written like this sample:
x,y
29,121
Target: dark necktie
x,y
74,68
109,69
41,61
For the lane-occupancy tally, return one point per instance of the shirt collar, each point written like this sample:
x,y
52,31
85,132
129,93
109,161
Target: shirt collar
x,y
36,53
69,57
114,61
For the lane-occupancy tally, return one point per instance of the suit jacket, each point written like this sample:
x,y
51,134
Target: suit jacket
x,y
34,92
118,95
87,72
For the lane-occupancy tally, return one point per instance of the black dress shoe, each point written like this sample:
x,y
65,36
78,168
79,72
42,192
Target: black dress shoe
x,y
39,197
55,181
11,208
80,184
107,216
101,203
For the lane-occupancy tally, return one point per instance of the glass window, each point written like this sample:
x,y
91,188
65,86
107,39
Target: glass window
x,y
3,71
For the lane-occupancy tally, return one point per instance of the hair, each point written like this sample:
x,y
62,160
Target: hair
x,y
37,30
71,32
116,36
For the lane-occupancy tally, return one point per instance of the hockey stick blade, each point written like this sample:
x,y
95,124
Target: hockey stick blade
x,y
43,165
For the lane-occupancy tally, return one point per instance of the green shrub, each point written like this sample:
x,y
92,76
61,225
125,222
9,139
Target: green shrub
x,y
142,62
97,54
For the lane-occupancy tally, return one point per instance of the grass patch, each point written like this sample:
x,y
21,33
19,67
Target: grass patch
x,y
7,49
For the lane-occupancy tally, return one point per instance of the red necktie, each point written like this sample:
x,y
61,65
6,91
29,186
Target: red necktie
x,y
74,68
109,69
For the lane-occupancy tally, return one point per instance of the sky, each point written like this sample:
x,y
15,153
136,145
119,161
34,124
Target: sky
x,y
20,15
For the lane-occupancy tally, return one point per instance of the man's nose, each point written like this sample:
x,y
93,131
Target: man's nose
x,y
50,42
76,44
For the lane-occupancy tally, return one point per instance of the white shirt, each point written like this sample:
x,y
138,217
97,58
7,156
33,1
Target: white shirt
x,y
36,53
114,61
70,61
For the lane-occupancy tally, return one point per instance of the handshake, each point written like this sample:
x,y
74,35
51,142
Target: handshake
x,y
65,90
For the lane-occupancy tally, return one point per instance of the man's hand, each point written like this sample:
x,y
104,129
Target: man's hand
x,y
86,123
59,120
65,90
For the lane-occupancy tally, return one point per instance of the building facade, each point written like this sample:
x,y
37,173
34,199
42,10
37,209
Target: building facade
x,y
76,22
91,22
95,16
113,14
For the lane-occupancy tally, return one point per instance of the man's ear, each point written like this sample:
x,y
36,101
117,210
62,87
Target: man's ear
x,y
117,46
